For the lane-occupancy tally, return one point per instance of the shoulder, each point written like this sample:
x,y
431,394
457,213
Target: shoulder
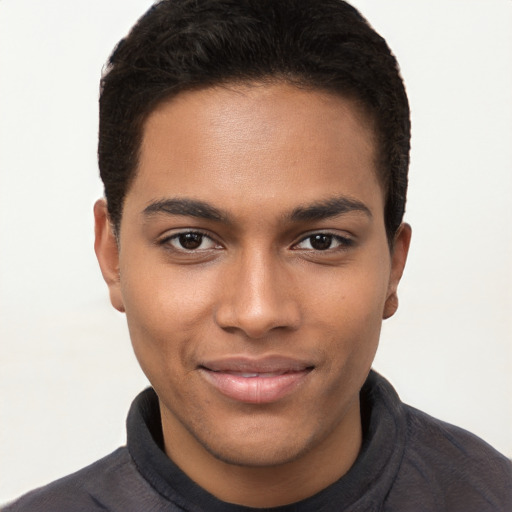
x,y
449,445
456,469
91,489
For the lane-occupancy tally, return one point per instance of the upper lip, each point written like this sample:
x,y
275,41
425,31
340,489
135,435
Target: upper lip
x,y
267,364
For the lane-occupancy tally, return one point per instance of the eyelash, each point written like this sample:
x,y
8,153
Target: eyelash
x,y
343,242
167,241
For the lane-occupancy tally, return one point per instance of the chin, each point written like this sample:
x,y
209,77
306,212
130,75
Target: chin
x,y
259,444
256,456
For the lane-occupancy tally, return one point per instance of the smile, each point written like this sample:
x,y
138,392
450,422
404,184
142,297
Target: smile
x,y
249,375
256,382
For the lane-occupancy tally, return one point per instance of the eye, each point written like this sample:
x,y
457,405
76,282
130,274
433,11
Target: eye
x,y
323,242
190,241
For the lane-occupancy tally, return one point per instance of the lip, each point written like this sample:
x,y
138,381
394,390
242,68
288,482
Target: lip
x,y
256,381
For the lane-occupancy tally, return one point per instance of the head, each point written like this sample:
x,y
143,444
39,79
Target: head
x,y
254,155
189,45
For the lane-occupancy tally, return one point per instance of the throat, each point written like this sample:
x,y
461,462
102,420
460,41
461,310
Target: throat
x,y
262,482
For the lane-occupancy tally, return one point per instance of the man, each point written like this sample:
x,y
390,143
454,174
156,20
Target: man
x,y
254,156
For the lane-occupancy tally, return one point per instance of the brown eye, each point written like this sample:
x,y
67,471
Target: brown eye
x,y
324,242
190,241
321,242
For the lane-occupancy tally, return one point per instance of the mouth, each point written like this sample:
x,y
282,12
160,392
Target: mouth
x,y
259,381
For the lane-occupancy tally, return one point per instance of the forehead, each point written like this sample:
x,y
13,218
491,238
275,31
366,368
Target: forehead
x,y
272,142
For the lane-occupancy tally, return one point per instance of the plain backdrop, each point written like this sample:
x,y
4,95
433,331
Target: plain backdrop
x,y
67,373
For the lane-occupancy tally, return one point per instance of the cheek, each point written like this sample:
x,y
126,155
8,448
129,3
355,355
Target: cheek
x,y
349,311
352,296
166,310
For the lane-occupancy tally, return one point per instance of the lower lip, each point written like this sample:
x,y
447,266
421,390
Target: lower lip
x,y
255,390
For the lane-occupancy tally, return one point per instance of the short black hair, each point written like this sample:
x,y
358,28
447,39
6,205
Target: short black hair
x,y
180,45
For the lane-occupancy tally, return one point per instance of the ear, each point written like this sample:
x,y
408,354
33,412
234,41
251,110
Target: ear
x,y
107,252
399,253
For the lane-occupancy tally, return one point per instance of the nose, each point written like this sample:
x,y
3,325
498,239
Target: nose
x,y
258,297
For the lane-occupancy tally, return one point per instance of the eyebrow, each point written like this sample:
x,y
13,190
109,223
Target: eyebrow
x,y
203,210
328,208
185,207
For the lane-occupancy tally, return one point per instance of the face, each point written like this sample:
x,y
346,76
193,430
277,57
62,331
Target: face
x,y
254,269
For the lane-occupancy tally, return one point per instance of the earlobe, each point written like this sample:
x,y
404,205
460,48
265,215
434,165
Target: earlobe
x,y
107,253
398,259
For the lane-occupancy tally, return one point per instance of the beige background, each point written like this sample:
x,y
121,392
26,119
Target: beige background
x,y
67,374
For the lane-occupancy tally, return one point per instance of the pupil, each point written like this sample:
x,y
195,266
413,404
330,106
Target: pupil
x,y
321,242
191,240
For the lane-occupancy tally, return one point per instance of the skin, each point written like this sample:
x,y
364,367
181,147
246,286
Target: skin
x,y
257,285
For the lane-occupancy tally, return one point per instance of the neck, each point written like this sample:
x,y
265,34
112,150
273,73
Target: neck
x,y
267,486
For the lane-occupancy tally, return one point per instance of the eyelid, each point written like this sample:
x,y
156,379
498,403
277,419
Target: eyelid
x,y
176,233
345,241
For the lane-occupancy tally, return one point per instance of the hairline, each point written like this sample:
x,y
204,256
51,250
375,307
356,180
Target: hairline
x,y
362,110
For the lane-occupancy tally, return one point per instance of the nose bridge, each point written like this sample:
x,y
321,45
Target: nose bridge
x,y
257,298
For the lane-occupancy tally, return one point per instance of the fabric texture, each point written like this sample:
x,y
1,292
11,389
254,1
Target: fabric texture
x,y
408,462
